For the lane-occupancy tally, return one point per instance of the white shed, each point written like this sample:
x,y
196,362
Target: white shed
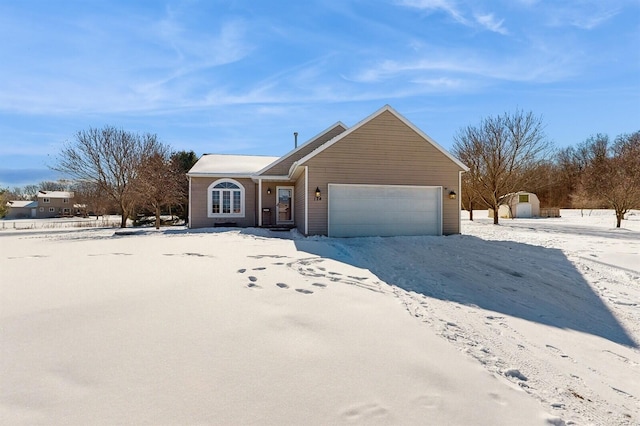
x,y
519,204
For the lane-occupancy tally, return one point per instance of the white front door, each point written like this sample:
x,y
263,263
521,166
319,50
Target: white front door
x,y
284,205
523,210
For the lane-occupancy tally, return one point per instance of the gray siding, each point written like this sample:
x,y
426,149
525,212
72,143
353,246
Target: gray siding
x,y
57,204
383,151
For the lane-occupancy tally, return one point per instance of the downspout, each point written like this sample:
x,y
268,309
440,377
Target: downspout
x,y
306,200
460,202
260,203
190,209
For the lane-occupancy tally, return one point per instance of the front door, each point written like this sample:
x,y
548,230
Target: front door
x,y
284,206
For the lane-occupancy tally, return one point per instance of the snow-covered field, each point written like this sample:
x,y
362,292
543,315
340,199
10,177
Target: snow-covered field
x,y
529,322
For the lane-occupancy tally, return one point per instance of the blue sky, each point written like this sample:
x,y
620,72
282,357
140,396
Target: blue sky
x,y
241,76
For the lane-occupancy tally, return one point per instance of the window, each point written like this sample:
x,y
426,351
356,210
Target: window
x,y
65,200
41,209
523,198
46,200
52,209
226,199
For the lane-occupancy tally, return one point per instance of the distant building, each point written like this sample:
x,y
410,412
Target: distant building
x,y
54,204
21,209
519,204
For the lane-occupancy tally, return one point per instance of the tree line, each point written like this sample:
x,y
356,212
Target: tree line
x,y
115,170
511,152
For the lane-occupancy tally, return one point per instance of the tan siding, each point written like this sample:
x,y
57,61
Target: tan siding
x,y
199,200
282,168
383,151
269,201
299,199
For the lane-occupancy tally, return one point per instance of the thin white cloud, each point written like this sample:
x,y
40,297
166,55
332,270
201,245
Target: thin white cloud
x,y
486,21
448,6
541,65
489,22
583,14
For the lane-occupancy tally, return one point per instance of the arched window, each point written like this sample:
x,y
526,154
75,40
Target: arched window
x,y
226,199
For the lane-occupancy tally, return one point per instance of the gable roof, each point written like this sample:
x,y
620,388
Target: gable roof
x,y
229,165
256,167
303,149
22,204
385,108
55,194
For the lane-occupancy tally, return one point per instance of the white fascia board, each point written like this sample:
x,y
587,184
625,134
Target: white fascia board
x,y
274,178
221,175
371,117
293,151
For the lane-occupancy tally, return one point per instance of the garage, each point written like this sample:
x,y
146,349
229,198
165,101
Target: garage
x,y
384,210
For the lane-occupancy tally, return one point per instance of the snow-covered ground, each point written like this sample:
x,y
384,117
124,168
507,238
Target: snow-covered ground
x,y
529,322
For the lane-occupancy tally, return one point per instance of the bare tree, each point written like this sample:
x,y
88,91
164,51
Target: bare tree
x,y
468,198
611,176
48,185
89,198
109,158
503,154
30,192
158,182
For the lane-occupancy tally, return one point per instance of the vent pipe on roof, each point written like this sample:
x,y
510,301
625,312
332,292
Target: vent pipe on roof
x,y
295,139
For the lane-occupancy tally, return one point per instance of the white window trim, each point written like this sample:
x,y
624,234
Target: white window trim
x,y
52,209
210,190
46,200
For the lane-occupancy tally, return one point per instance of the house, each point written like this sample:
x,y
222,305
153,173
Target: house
x,y
381,177
54,204
21,209
520,204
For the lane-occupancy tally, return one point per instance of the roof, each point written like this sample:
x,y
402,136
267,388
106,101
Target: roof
x,y
252,166
55,194
365,121
23,204
303,146
230,165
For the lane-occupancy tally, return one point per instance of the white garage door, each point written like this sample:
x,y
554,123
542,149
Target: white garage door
x,y
384,210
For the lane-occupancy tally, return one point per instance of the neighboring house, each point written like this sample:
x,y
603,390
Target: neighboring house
x,y
519,204
21,209
54,204
381,177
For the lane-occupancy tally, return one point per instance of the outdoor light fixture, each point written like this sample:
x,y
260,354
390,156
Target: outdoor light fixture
x,y
318,193
452,195
269,191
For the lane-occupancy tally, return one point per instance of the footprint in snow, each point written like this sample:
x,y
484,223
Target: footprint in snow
x,y
242,271
253,285
556,350
260,268
364,412
282,285
319,285
253,279
303,291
